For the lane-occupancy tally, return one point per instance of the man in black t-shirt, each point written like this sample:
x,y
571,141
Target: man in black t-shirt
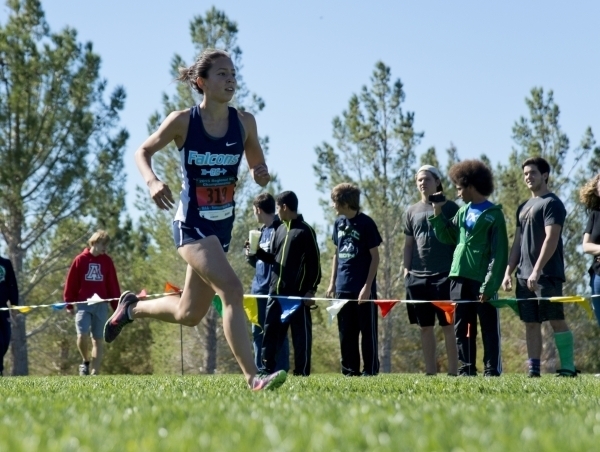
x,y
538,251
427,264
354,269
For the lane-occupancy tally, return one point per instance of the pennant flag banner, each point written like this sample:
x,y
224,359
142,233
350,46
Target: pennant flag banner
x,y
95,299
171,288
386,306
218,304
335,309
575,299
289,306
511,303
251,308
448,308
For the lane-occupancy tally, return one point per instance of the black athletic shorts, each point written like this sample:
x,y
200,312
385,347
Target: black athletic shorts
x,y
538,311
426,288
184,234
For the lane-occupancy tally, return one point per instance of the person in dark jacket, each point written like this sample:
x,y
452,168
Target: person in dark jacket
x,y
294,255
263,207
9,292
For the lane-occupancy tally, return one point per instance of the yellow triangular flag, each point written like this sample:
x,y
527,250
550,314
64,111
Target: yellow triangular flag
x,y
251,308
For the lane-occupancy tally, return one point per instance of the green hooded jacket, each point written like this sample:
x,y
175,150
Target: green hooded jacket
x,y
480,255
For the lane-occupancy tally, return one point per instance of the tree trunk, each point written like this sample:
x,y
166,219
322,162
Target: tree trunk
x,y
18,346
211,322
64,364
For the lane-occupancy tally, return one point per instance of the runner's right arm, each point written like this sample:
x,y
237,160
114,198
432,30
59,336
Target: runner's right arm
x,y
173,128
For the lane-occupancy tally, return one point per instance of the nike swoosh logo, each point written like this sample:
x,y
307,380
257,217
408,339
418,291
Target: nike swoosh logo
x,y
230,144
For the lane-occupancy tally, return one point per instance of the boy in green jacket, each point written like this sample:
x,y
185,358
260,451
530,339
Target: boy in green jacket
x,y
479,232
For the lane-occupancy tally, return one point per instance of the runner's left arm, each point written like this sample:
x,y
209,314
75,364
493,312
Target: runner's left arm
x,y
253,150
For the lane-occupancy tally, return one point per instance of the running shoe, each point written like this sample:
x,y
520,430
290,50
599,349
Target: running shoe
x,y
269,382
119,319
567,373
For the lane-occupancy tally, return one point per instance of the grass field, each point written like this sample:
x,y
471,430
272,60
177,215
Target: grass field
x,y
320,413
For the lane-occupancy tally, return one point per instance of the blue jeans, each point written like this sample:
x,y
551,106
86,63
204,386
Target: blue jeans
x,y
282,361
595,284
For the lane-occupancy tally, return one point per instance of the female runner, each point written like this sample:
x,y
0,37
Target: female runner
x,y
211,138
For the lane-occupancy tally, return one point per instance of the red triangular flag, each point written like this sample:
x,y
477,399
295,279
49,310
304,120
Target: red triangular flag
x,y
172,288
448,309
142,294
385,306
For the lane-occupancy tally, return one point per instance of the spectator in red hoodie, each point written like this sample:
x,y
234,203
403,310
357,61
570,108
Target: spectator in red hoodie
x,y
92,272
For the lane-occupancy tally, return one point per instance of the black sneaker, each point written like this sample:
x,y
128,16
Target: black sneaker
x,y
467,371
533,374
568,373
84,369
119,319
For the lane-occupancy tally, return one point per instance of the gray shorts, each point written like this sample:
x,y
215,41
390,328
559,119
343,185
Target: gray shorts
x,y
91,318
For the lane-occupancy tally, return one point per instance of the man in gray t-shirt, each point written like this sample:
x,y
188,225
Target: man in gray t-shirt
x,y
430,257
532,218
537,253
427,263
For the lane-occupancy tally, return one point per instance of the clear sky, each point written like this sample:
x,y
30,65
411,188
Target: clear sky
x,y
467,66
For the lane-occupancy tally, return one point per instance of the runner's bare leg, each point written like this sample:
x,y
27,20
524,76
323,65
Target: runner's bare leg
x,y
208,272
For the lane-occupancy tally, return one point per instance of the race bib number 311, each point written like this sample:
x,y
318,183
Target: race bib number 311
x,y
214,196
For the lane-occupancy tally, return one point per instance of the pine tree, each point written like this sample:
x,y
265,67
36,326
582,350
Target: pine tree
x,y
57,128
375,149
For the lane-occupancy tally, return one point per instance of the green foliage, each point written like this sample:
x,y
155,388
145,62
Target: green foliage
x,y
319,413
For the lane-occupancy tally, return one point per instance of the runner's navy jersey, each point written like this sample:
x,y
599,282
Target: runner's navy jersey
x,y
209,168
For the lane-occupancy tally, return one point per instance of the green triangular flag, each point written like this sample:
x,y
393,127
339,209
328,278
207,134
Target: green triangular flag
x,y
218,304
504,302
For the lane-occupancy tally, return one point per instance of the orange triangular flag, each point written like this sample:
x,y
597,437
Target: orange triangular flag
x,y
171,288
448,309
385,306
142,294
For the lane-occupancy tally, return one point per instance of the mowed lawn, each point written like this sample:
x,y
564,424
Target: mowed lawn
x,y
319,413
